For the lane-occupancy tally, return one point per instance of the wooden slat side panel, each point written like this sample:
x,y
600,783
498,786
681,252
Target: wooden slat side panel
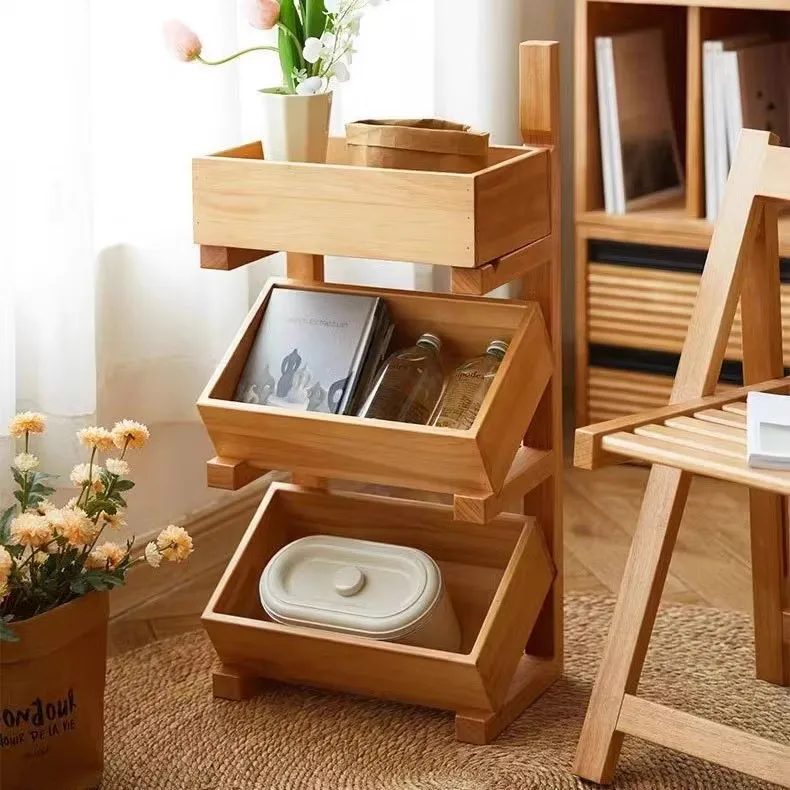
x,y
637,307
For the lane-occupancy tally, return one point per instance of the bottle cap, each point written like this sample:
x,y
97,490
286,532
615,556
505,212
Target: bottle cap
x,y
433,341
497,347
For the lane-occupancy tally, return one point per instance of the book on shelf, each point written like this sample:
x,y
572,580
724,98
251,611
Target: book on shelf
x,y
640,160
745,85
315,351
768,430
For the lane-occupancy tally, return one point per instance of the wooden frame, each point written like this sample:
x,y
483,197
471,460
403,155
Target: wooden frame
x,y
499,225
743,262
497,576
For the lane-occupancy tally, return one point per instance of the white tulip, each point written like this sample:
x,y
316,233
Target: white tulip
x,y
310,86
328,40
313,49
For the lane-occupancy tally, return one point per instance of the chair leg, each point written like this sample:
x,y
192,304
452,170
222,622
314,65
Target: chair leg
x,y
767,521
632,623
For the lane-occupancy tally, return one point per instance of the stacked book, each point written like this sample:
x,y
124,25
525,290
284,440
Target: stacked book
x,y
639,151
316,351
746,84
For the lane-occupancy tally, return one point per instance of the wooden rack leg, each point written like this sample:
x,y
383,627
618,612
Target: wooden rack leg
x,y
762,355
235,684
633,620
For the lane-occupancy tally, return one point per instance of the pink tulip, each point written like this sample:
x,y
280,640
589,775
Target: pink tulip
x,y
182,42
263,14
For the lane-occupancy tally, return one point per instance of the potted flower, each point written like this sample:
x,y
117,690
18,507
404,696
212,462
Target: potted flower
x,y
56,567
315,44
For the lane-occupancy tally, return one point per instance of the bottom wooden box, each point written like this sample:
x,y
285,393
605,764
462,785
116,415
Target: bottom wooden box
x,y
497,575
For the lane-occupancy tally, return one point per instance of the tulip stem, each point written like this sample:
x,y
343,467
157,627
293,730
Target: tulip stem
x,y
234,56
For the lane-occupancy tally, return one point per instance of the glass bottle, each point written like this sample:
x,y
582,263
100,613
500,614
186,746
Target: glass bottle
x,y
467,387
409,384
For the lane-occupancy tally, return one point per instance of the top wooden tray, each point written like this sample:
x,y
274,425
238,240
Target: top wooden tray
x,y
450,219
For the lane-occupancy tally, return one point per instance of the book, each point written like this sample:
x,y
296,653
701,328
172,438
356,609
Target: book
x,y
641,160
755,90
716,153
310,350
768,430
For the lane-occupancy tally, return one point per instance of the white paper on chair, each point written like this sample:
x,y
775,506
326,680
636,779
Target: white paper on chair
x,y
768,430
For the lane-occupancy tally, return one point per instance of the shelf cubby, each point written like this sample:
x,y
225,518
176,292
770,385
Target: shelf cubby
x,y
503,571
497,577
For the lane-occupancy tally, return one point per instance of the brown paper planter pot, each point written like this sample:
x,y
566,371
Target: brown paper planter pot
x,y
52,698
417,144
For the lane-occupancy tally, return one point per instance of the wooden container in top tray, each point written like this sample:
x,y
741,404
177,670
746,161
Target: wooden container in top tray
x,y
242,202
476,461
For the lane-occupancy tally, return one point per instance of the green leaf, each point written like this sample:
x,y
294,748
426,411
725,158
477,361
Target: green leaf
x,y
39,488
5,524
290,53
315,18
6,634
19,497
123,485
18,477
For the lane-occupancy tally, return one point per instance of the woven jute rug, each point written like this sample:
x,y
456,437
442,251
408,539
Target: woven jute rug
x,y
164,731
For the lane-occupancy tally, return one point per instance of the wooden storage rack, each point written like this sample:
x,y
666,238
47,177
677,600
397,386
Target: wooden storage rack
x,y
637,275
503,571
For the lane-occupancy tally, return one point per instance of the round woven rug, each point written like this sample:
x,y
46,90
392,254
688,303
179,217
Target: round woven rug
x,y
164,730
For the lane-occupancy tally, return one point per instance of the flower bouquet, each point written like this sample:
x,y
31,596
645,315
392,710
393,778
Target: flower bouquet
x,y
315,44
55,571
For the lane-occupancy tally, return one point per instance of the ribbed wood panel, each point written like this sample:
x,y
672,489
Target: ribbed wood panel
x,y
635,307
617,393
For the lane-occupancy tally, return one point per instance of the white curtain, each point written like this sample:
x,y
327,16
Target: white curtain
x,y
104,312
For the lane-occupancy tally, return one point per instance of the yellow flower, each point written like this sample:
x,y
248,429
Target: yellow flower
x,y
32,530
44,507
108,555
26,422
152,555
116,521
25,462
97,486
6,561
117,466
3,590
174,543
99,438
74,525
128,433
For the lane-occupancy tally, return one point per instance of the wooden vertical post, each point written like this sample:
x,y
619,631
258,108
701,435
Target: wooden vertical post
x,y
301,266
695,176
539,121
762,359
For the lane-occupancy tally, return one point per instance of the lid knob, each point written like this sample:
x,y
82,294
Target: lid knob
x,y
348,580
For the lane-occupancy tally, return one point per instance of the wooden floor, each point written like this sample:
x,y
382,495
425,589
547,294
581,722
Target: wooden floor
x,y
710,566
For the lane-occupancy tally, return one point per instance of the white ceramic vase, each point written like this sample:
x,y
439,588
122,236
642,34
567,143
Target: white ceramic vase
x,y
295,128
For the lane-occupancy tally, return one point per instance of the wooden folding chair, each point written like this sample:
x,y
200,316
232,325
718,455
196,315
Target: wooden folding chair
x,y
699,433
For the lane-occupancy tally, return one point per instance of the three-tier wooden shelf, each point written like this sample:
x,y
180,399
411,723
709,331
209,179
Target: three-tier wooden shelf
x,y
502,570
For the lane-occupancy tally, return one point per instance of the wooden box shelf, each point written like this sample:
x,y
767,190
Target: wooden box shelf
x,y
497,577
453,219
473,463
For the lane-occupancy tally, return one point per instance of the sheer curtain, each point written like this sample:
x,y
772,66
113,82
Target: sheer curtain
x,y
104,312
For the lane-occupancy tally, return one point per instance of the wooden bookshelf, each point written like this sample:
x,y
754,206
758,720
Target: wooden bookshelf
x,y
678,225
502,569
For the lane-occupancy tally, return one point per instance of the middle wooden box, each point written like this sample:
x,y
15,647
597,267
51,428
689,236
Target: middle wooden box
x,y
471,462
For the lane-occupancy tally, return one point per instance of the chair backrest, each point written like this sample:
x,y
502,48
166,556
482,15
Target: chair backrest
x,y
742,262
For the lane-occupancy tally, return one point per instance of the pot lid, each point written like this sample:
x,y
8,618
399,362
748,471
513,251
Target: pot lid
x,y
356,586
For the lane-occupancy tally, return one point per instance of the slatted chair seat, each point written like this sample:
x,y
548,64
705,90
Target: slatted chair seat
x,y
703,433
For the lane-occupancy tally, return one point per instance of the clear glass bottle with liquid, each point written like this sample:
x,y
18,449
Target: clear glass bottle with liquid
x,y
467,387
409,384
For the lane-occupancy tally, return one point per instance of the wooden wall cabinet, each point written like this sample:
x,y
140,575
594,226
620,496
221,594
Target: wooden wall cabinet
x,y
636,275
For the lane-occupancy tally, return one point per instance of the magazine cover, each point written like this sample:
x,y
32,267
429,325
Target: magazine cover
x,y
309,349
